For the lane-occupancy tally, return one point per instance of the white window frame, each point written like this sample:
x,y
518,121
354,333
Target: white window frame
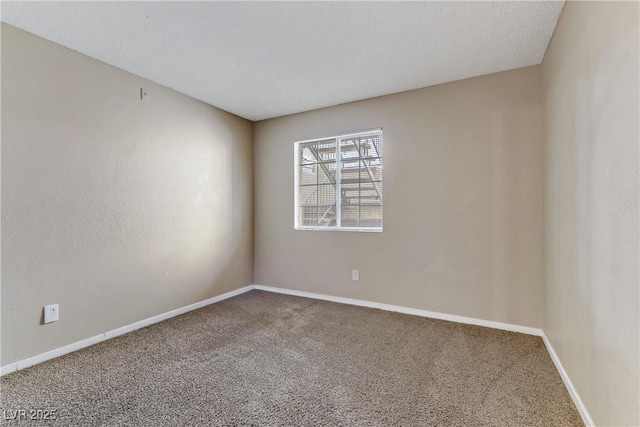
x,y
296,189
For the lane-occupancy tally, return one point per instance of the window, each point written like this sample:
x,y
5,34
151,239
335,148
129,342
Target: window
x,y
338,182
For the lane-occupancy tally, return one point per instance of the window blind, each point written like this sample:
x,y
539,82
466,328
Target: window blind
x,y
339,182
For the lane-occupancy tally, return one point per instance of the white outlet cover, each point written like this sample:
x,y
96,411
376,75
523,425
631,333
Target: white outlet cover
x,y
51,313
355,275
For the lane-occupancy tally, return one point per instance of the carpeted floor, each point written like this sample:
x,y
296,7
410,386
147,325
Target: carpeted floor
x,y
268,359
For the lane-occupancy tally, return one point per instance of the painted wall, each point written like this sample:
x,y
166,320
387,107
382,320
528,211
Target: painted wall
x,y
117,209
591,205
462,188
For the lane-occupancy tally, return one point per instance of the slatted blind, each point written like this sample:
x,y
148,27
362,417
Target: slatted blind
x,y
339,182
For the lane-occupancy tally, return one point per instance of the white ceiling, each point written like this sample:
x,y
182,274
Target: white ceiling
x,y
266,59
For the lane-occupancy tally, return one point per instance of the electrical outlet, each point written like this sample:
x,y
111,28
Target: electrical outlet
x,y
50,313
355,275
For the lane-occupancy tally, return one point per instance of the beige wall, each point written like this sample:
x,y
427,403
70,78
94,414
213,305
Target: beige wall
x,y
462,202
119,209
591,205
116,209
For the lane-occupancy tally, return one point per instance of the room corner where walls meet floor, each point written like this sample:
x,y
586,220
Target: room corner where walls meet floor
x,y
32,361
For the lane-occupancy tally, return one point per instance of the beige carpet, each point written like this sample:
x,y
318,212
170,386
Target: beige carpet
x,y
269,359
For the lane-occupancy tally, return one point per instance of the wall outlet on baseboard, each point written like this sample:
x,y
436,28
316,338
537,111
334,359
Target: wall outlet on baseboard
x,y
50,313
355,275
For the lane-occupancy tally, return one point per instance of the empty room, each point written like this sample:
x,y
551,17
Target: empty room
x,y
320,213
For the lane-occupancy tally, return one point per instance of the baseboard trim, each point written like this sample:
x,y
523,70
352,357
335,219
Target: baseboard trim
x,y
406,310
586,418
22,364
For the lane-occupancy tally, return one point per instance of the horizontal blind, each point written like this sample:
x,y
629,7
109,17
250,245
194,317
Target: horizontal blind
x,y
361,181
317,183
339,182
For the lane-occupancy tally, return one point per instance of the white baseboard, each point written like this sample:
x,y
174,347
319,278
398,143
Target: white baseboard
x,y
586,418
22,364
406,310
52,354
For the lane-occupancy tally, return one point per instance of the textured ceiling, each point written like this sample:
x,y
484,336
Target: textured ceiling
x,y
266,59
